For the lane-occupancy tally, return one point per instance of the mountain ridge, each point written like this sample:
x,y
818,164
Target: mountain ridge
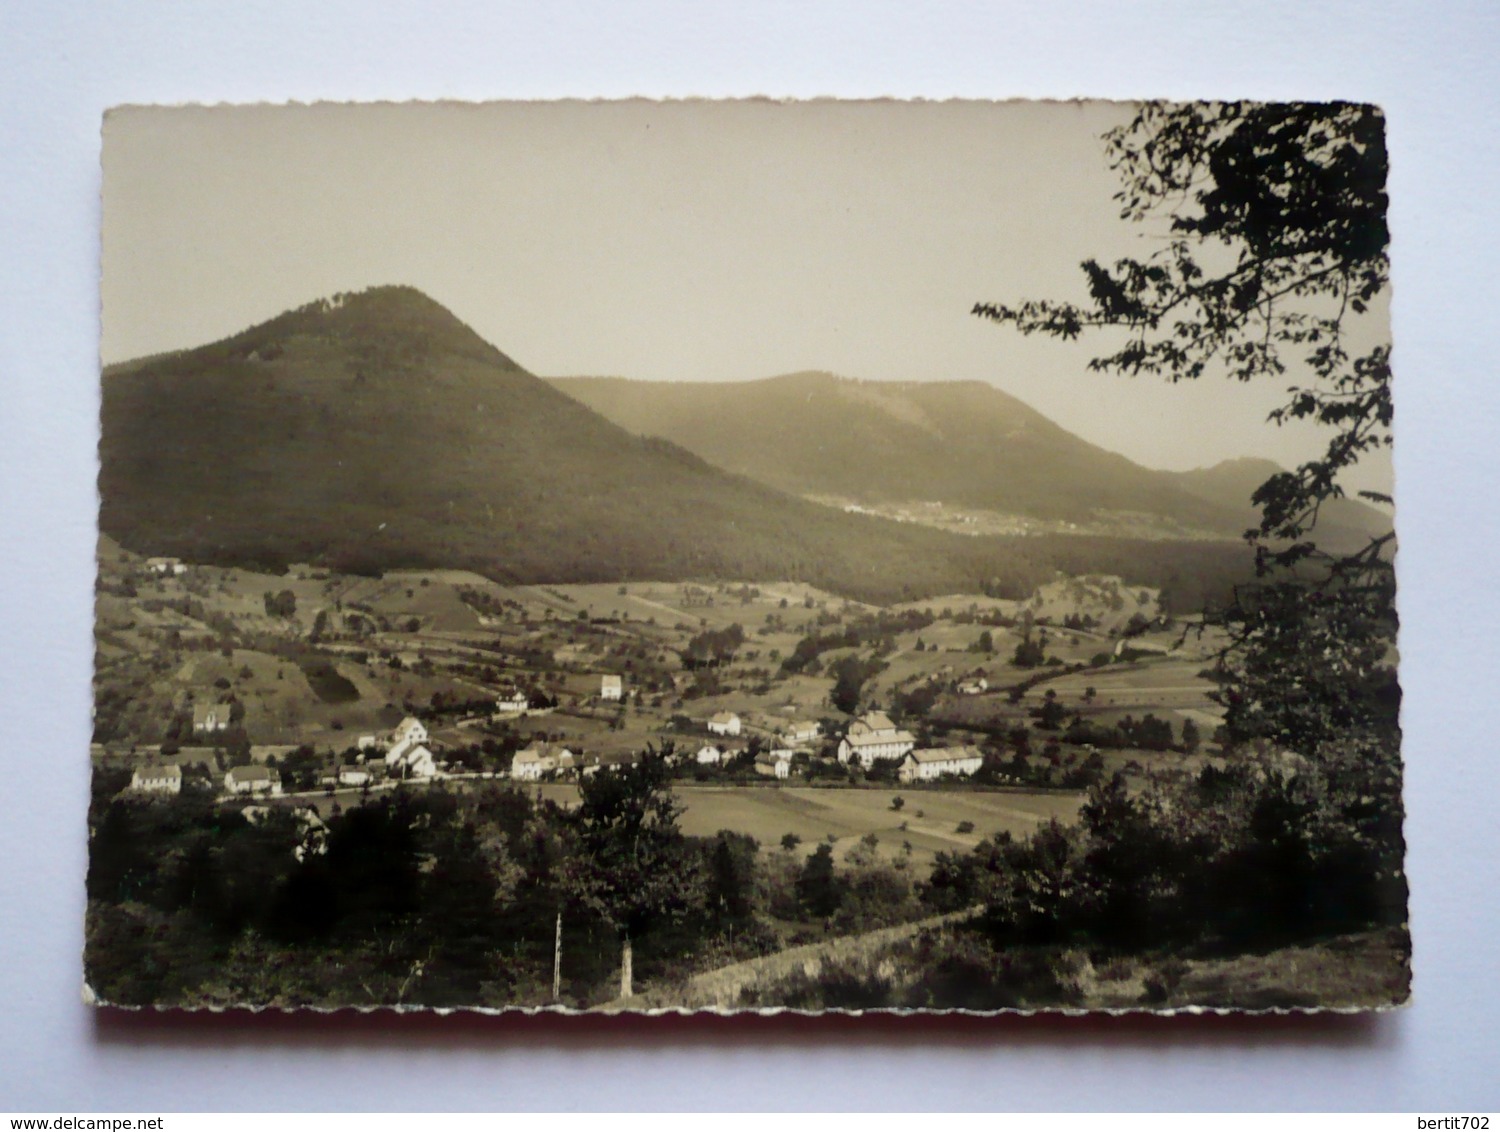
x,y
815,434
378,431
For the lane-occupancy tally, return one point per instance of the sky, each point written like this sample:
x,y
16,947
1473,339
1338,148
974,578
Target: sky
x,y
670,241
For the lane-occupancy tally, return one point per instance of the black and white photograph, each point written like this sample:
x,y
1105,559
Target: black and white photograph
x,y
747,555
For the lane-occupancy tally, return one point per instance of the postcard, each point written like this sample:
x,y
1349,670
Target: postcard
x,y
746,555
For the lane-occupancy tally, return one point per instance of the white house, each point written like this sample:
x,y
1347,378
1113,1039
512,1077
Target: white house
x,y
724,723
410,730
611,688
537,760
407,756
797,732
773,768
709,755
529,765
367,743
211,718
253,780
512,702
166,566
353,774
931,763
780,754
874,737
413,760
157,778
974,687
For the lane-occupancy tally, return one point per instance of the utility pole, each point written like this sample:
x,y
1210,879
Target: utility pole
x,y
557,962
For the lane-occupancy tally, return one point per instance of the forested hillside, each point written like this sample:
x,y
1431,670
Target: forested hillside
x,y
377,431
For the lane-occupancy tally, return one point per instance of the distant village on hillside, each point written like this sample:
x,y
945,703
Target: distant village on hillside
x,y
466,680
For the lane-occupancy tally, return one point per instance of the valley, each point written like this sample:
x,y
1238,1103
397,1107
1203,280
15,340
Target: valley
x,y
389,627
315,669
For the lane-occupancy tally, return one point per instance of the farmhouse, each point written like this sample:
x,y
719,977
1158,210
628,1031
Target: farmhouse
x,y
367,743
352,774
408,756
974,687
253,780
410,730
530,764
710,755
724,723
773,768
411,761
610,688
874,737
165,566
931,763
157,778
511,702
211,718
799,731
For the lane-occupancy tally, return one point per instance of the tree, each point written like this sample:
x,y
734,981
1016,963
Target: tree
x,y
849,676
1052,713
819,890
731,878
1274,252
1029,654
635,869
1276,241
283,604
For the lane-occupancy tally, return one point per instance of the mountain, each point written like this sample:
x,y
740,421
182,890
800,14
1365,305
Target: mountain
x,y
376,430
1342,523
964,443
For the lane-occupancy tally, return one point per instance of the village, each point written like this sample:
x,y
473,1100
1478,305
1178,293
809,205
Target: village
x,y
771,703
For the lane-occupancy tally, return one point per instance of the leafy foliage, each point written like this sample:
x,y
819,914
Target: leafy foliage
x,y
634,867
1275,246
1276,238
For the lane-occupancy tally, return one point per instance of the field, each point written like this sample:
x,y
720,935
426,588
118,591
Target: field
x,y
930,817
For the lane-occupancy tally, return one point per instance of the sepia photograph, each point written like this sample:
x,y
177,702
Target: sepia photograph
x,y
746,555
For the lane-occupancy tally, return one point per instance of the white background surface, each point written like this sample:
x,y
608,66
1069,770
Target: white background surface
x,y
1432,66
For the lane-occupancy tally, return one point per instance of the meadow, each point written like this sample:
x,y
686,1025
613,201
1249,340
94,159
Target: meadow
x,y
928,819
